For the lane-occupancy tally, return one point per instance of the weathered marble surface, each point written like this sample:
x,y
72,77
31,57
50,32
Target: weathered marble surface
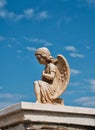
x,y
55,77
31,116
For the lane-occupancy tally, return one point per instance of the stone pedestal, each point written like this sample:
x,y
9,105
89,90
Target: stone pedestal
x,y
32,116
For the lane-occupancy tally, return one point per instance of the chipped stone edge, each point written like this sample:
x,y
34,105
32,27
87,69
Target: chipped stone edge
x,y
46,107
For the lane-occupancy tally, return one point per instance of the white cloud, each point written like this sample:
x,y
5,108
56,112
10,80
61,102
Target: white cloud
x,y
92,81
69,92
73,52
5,104
86,101
2,3
3,13
43,15
1,87
71,48
66,19
11,15
2,38
48,44
30,48
6,14
35,40
90,1
74,71
87,3
16,17
75,84
88,47
9,46
75,55
92,84
89,104
27,14
19,51
38,41
11,96
8,99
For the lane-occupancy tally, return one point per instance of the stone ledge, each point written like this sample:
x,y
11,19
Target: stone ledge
x,y
46,113
46,107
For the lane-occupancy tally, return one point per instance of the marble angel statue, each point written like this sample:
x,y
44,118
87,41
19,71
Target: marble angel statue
x,y
55,77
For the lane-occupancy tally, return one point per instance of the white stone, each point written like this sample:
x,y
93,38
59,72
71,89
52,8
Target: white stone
x,y
47,113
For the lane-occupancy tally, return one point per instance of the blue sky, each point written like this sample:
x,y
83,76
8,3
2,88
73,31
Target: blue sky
x,y
65,27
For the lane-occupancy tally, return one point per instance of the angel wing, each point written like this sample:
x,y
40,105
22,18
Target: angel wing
x,y
64,70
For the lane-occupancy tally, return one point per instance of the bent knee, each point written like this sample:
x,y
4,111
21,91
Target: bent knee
x,y
37,82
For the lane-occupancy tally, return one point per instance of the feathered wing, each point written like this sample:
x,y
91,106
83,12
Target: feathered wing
x,y
64,70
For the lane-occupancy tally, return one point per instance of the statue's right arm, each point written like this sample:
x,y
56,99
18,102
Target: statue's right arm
x,y
48,76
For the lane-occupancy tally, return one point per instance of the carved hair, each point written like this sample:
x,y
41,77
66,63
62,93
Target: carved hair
x,y
44,52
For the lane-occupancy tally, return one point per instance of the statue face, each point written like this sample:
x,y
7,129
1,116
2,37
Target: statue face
x,y
40,59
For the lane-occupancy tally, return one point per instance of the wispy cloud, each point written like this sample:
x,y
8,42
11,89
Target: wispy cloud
x,y
73,52
86,101
64,19
11,96
2,38
74,84
9,46
71,48
75,55
19,51
5,104
74,71
87,3
29,48
92,84
88,47
48,44
90,1
43,15
28,14
8,99
69,92
1,87
39,41
91,103
2,3
15,42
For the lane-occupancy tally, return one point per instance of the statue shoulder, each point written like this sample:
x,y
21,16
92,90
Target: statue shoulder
x,y
52,67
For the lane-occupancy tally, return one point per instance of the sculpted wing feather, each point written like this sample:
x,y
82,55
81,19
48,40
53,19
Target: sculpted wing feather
x,y
63,68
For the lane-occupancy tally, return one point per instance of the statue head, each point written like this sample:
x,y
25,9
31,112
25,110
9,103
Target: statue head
x,y
43,51
43,55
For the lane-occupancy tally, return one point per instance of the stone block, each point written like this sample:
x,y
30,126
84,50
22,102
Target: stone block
x,y
36,116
